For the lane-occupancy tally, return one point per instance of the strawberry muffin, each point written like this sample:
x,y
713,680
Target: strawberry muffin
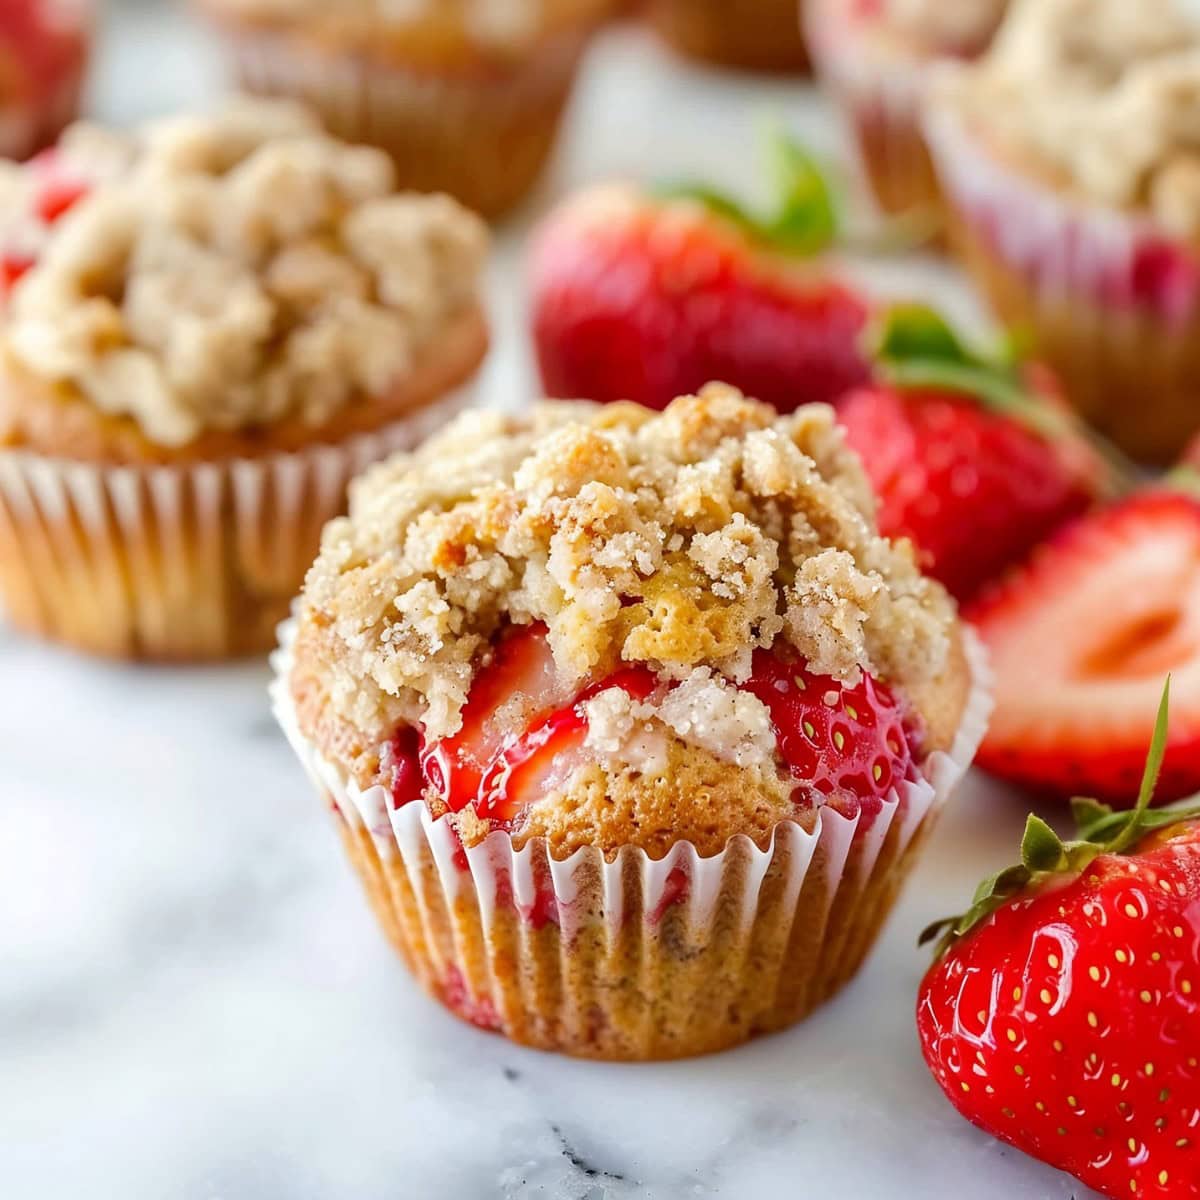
x,y
874,56
632,723
1070,158
466,95
43,53
761,35
210,326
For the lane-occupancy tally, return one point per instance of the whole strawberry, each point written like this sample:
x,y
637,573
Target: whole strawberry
x,y
1078,638
1064,1014
645,296
975,461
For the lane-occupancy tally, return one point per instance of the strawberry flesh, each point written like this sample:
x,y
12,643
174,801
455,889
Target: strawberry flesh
x,y
1068,1023
1080,640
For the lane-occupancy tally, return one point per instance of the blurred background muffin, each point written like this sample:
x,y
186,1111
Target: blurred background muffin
x,y
874,58
43,54
466,95
197,355
1070,157
761,35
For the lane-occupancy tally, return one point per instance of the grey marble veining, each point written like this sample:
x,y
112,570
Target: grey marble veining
x,y
194,1002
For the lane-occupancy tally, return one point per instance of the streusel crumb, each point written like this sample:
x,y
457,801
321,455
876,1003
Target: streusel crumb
x,y
683,540
245,269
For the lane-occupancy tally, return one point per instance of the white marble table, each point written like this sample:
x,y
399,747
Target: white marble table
x,y
194,1002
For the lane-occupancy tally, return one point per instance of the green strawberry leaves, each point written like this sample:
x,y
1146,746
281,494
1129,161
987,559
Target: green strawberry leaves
x,y
1101,830
915,349
805,220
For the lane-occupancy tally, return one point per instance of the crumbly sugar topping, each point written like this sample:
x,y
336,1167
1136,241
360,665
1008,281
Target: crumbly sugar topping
x,y
1104,94
682,540
244,269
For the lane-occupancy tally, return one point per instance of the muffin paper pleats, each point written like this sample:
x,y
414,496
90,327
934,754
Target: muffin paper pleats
x,y
1107,298
483,139
634,958
176,562
881,101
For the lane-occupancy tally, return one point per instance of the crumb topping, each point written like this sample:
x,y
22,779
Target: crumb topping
x,y
682,540
1104,94
242,269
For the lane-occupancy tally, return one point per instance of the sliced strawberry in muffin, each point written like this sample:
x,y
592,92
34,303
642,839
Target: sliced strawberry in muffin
x,y
845,746
1080,641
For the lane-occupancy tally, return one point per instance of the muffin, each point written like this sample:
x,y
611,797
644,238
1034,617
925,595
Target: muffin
x,y
466,95
632,724
1070,158
217,323
43,55
874,57
760,35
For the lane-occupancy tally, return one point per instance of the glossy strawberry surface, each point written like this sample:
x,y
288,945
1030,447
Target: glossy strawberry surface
x,y
1068,1022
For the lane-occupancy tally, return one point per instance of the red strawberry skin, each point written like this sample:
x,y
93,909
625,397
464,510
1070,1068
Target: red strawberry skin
x,y
846,747
1068,1022
640,299
974,489
1080,640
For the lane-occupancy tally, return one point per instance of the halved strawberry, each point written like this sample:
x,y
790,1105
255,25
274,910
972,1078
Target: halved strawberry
x,y
1080,640
650,295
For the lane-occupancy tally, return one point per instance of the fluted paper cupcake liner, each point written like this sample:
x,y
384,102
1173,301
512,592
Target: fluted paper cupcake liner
x,y
483,138
634,958
177,562
881,100
1106,297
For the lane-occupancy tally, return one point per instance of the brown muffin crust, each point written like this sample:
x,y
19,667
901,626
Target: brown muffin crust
x,y
681,541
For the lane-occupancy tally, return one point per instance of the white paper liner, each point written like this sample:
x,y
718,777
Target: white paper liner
x,y
1065,246
1106,297
483,138
826,902
186,561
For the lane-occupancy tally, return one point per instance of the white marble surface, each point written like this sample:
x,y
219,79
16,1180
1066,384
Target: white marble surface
x,y
194,1003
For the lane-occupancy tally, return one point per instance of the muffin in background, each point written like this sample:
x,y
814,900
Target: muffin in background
x,y
466,95
44,47
758,35
210,326
1070,160
875,56
632,724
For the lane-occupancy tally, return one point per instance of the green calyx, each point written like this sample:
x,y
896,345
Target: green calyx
x,y
805,219
1100,830
915,349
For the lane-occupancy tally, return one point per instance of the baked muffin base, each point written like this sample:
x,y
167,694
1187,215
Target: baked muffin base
x,y
633,958
185,561
484,136
1108,300
760,35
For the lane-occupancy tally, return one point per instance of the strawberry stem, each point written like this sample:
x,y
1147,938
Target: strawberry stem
x,y
915,348
805,220
1045,855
